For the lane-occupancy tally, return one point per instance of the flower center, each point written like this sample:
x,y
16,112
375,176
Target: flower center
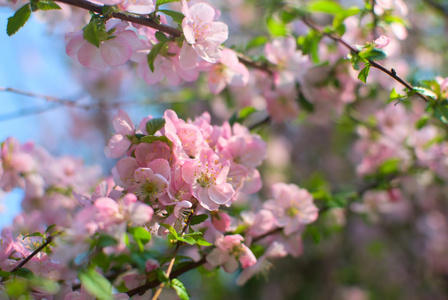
x,y
149,189
292,211
206,179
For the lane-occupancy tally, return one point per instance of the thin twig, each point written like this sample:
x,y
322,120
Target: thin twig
x,y
173,259
392,73
35,252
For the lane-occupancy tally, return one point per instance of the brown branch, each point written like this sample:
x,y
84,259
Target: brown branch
x,y
148,22
372,63
35,252
134,18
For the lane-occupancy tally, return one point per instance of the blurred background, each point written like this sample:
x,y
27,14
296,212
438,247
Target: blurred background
x,y
378,178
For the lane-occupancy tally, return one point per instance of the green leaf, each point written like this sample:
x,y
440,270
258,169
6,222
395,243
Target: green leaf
x,y
160,2
44,285
198,219
314,232
49,228
154,125
4,274
364,73
96,284
47,5
390,166
177,16
162,277
105,240
328,7
161,37
187,239
179,287
153,54
34,234
441,111
25,273
152,138
425,91
170,229
141,236
395,96
304,103
421,122
256,42
372,53
90,34
18,19
276,28
201,241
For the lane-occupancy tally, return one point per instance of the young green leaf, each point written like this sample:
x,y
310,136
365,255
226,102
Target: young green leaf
x,y
179,287
47,5
364,73
153,54
96,284
151,139
441,111
160,2
90,34
177,16
18,19
154,125
198,219
276,28
329,7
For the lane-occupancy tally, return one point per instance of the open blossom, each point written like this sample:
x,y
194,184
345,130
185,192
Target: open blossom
x,y
111,52
229,250
292,207
208,179
229,71
119,143
202,35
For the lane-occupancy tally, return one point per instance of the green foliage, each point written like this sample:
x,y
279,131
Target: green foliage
x,y
154,125
364,73
105,240
198,219
369,52
161,37
90,33
160,2
152,138
175,15
309,44
153,54
47,5
18,20
179,287
394,96
441,111
243,114
141,236
276,28
256,42
96,284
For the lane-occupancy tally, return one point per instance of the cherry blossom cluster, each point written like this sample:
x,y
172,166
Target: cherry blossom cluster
x,y
172,175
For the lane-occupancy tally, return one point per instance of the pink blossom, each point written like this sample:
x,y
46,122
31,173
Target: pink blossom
x,y
202,35
381,42
292,206
111,52
207,177
229,250
120,142
187,138
229,71
221,221
166,65
152,182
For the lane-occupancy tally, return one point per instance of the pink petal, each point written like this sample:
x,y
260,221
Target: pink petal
x,y
221,193
188,57
116,51
89,56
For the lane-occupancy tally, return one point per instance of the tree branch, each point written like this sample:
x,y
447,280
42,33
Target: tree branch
x,y
392,73
35,252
